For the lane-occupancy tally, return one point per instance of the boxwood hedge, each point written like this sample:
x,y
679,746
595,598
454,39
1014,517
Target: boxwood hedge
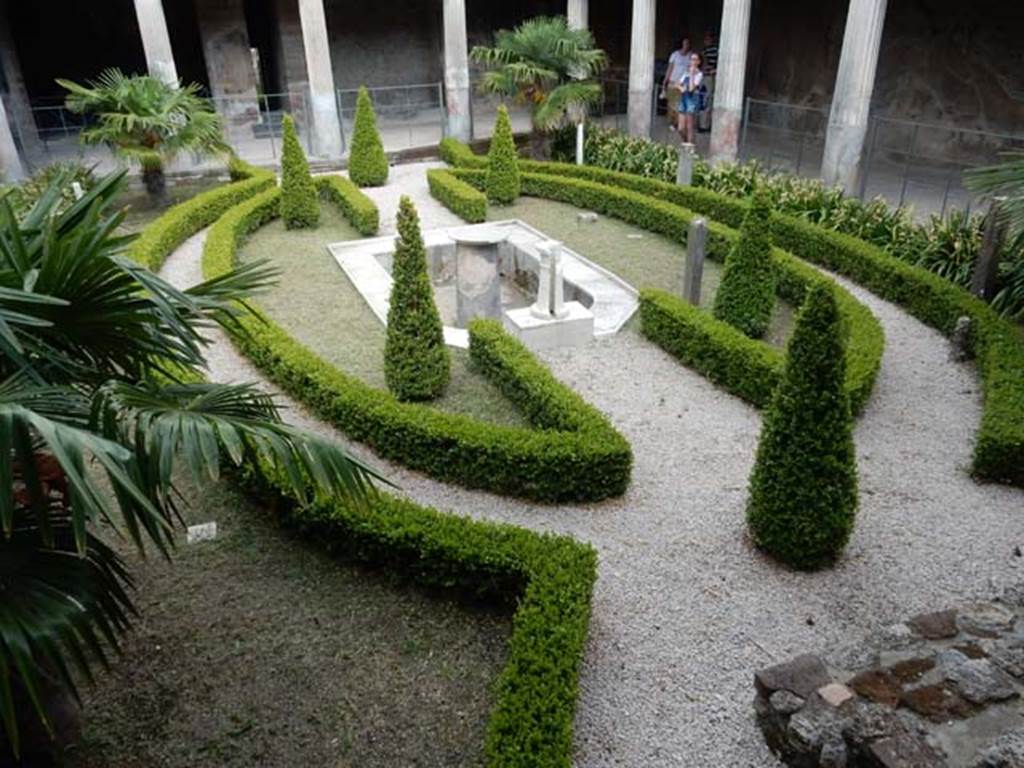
x,y
457,196
582,459
998,344
180,222
360,210
865,341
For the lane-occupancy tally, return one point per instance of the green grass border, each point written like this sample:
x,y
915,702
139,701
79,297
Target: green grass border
x,y
571,454
998,344
746,367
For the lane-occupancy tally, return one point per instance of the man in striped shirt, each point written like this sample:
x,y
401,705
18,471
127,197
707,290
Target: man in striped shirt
x,y
710,57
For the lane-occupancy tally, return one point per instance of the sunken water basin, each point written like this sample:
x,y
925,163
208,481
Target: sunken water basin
x,y
545,294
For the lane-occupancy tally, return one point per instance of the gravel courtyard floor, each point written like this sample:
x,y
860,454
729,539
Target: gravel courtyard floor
x,y
684,609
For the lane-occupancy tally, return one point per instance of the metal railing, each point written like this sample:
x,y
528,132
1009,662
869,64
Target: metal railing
x,y
906,162
407,115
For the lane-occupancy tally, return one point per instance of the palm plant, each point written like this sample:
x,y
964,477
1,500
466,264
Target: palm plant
x,y
1005,182
102,406
548,65
146,121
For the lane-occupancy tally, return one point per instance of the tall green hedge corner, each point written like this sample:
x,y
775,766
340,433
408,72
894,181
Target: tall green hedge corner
x,y
300,206
803,489
367,164
746,295
502,162
416,363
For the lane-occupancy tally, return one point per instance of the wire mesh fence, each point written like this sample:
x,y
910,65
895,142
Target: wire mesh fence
x,y
407,115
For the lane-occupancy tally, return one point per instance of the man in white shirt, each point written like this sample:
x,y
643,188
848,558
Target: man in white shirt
x,y
678,63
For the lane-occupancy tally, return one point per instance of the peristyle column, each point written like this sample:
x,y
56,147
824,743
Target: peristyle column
x,y
641,68
577,13
156,42
324,102
11,168
456,71
19,107
727,114
851,99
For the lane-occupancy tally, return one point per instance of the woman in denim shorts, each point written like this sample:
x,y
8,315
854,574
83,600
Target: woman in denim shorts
x,y
689,102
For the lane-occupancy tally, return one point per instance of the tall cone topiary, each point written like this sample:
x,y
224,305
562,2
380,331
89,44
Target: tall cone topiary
x,y
746,295
367,163
416,364
299,204
502,162
803,489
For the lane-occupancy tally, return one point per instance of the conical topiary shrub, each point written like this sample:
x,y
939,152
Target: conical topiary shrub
x,y
299,204
416,364
803,489
502,162
746,295
367,163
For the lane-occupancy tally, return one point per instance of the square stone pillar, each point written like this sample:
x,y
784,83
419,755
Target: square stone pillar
x,y
323,99
727,113
456,71
19,108
156,41
229,62
641,68
851,100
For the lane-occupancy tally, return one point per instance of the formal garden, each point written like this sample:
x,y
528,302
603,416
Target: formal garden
x,y
509,460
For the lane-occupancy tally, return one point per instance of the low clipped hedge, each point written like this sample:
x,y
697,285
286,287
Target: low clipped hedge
x,y
460,198
998,344
177,224
586,463
360,210
547,580
865,340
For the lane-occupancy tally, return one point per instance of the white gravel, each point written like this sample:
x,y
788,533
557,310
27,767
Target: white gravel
x,y
684,610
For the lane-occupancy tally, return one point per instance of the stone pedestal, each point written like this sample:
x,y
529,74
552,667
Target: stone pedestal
x,y
727,114
156,42
575,327
477,280
851,100
687,158
641,68
550,303
693,270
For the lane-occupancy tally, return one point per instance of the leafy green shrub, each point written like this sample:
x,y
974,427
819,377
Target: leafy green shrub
x,y
457,196
745,367
803,489
357,207
793,277
299,204
416,363
615,151
547,580
180,222
24,195
590,463
502,162
746,295
367,163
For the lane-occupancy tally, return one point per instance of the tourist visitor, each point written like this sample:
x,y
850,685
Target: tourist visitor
x,y
678,63
690,99
710,56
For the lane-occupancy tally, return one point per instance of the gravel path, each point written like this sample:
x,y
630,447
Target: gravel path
x,y
684,609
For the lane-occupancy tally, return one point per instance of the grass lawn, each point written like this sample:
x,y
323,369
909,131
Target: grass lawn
x,y
318,305
259,649
641,258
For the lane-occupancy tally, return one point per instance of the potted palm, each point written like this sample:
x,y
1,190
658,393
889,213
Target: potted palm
x,y
146,121
102,405
548,65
